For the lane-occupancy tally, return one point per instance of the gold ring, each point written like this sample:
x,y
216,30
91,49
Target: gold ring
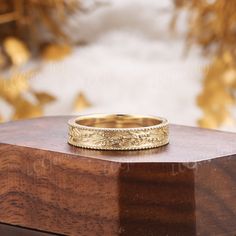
x,y
118,132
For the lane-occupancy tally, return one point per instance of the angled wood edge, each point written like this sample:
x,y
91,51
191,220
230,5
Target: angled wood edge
x,y
14,230
187,144
48,185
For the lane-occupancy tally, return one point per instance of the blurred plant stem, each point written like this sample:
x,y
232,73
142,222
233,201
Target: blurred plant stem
x,y
31,29
211,25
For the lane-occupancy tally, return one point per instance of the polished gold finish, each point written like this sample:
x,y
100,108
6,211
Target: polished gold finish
x,y
118,132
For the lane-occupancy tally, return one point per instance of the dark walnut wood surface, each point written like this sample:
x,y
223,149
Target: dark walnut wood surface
x,y
185,188
10,230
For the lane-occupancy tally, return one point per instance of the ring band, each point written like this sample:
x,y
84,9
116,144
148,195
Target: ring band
x,y
118,132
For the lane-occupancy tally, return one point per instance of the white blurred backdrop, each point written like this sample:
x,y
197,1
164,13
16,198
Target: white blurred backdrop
x,y
131,63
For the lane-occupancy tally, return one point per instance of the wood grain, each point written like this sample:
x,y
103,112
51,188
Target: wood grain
x,y
179,199
185,188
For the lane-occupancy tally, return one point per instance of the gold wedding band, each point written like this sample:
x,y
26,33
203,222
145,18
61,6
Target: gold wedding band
x,y
118,132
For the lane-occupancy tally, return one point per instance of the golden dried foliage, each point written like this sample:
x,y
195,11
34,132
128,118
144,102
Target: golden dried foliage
x,y
35,22
29,28
1,119
16,50
217,96
44,98
13,91
81,102
56,52
13,87
212,25
31,20
26,109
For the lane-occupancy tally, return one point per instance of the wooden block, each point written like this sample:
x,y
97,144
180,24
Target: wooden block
x,y
185,188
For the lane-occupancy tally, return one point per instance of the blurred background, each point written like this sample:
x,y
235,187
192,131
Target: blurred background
x,y
172,58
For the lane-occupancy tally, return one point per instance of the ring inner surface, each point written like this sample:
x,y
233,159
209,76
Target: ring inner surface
x,y
118,121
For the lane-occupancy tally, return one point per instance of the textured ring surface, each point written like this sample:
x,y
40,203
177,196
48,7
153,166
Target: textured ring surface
x,y
118,132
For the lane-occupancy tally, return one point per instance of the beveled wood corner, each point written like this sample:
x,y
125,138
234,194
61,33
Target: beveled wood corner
x,y
185,188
